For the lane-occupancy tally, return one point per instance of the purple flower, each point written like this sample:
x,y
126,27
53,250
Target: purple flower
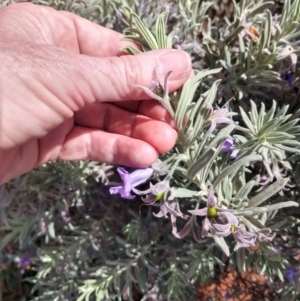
x,y
277,249
290,274
228,147
275,21
264,235
157,191
288,77
24,263
244,239
288,51
227,295
223,228
142,7
218,221
119,16
218,117
130,180
190,225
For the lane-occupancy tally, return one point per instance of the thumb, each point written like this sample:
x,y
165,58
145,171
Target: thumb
x,y
114,78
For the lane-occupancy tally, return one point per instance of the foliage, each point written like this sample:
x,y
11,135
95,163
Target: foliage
x,y
228,184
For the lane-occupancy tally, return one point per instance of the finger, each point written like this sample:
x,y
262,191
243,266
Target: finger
x,y
112,119
96,40
115,79
82,144
39,24
78,80
150,108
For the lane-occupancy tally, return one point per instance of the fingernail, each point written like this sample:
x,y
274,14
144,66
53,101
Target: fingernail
x,y
179,62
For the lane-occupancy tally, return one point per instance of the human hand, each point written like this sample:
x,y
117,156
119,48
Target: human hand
x,y
67,92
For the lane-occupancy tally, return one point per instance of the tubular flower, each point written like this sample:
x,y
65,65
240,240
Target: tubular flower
x,y
229,148
130,180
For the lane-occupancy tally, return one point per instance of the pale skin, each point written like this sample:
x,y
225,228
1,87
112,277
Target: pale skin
x,y
67,92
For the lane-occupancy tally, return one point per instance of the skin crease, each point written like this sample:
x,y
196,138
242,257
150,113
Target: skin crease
x,y
67,93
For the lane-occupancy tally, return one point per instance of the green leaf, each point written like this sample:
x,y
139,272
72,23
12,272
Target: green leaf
x,y
176,192
254,113
160,28
267,31
201,162
240,257
288,149
281,205
145,32
9,237
222,244
170,39
187,94
278,137
285,13
244,190
131,50
248,122
267,192
269,127
233,168
233,35
259,8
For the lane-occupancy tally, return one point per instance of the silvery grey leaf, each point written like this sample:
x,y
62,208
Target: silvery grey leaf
x,y
278,137
220,241
259,8
145,32
201,162
234,167
244,190
160,28
248,122
240,257
131,50
177,192
267,192
281,205
187,94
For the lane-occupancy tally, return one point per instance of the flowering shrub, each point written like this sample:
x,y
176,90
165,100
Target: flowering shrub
x,y
228,190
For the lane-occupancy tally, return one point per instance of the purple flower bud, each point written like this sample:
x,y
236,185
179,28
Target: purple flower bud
x,y
288,77
130,180
229,147
144,8
24,263
290,274
119,16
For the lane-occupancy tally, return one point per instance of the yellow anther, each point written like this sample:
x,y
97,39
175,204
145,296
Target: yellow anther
x,y
212,212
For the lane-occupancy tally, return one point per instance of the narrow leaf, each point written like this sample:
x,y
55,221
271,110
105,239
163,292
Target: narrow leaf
x,y
201,162
233,168
222,244
267,192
